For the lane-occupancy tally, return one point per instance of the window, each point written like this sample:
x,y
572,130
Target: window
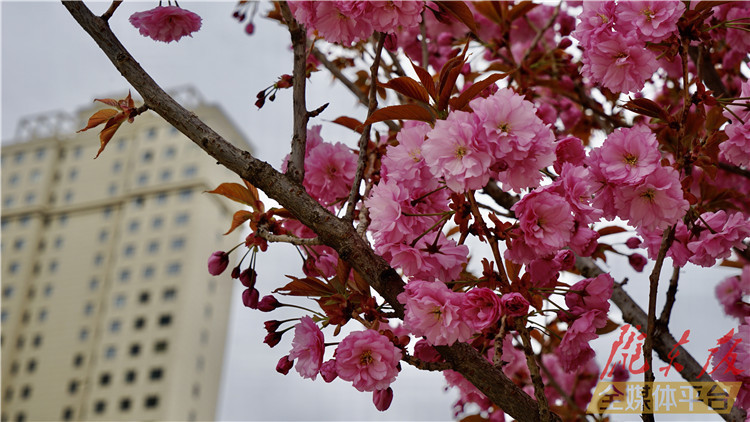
x,y
8,393
166,175
107,212
130,376
185,195
110,352
77,151
103,235
26,392
42,315
133,226
142,179
170,152
62,219
116,167
104,379
151,402
40,153
139,323
13,179
174,268
147,157
20,342
18,244
98,259
83,335
14,368
129,250
182,219
196,390
73,386
148,272
58,242
78,360
119,300
157,222
124,275
156,374
204,336
88,309
151,133
112,190
207,311
4,315
190,171
31,366
8,201
93,284
160,346
135,349
14,267
20,417
8,291
100,406
170,294
114,326
121,144
35,175
30,198
73,174
37,342
165,320
67,414
19,157
125,404
143,298
161,198
68,196
178,243
53,267
153,246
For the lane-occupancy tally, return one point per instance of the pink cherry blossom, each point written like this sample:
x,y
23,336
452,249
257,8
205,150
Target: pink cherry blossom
x,y
653,20
618,62
514,305
328,370
568,150
736,149
343,22
434,311
308,346
166,23
574,349
368,359
387,16
329,172
583,240
482,308
724,232
578,187
628,155
597,17
590,294
730,293
452,151
545,221
656,203
404,162
382,399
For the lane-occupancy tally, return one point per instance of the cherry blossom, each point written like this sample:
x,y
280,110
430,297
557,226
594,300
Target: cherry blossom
x,y
166,23
368,360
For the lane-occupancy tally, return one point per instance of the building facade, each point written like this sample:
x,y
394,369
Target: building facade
x,y
108,311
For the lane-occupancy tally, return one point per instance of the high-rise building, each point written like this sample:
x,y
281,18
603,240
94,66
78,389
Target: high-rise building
x,y
108,311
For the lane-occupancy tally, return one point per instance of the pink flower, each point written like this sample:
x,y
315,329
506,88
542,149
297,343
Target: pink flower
x,y
578,187
367,359
574,348
482,308
730,293
284,365
545,221
597,17
590,294
328,370
656,203
453,152
514,305
425,352
618,62
653,20
218,262
343,22
628,155
329,172
736,149
404,162
568,150
166,23
715,242
308,347
382,399
434,311
387,16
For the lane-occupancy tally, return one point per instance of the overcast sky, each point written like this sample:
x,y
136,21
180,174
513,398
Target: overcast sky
x,y
50,64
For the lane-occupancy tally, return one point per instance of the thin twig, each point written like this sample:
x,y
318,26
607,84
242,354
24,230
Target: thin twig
x,y
666,311
296,166
396,64
423,42
734,169
536,377
365,138
492,240
539,35
111,11
648,346
285,238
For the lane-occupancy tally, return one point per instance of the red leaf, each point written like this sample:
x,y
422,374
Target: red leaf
x,y
521,9
310,287
608,327
646,107
349,122
99,117
408,87
400,112
447,89
109,131
239,218
474,90
109,102
236,192
604,231
461,11
427,82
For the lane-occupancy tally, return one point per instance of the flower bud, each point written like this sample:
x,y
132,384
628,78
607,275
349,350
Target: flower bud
x,y
250,28
247,278
272,339
218,262
328,370
425,352
633,243
284,365
272,326
236,272
268,304
250,298
382,399
514,304
637,261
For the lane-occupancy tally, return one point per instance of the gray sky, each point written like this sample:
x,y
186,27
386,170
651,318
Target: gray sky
x,y
50,64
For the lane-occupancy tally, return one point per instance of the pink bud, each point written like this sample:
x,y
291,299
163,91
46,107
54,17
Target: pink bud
x,y
247,278
250,298
620,373
268,304
425,352
272,325
236,272
272,339
566,259
250,28
284,365
633,243
218,262
637,261
328,370
382,399
514,304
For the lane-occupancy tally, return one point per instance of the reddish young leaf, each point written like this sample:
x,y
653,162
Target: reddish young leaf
x,y
521,9
447,89
238,218
426,79
109,102
604,231
310,287
400,112
109,131
408,87
236,192
513,270
461,11
490,10
608,327
646,107
462,100
98,118
349,122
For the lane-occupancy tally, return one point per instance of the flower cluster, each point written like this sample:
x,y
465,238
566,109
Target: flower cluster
x,y
166,23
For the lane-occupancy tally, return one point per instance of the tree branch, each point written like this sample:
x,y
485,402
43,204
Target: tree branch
x,y
331,230
296,165
666,311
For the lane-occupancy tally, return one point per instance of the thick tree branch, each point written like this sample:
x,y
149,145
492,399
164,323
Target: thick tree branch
x,y
331,230
296,166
